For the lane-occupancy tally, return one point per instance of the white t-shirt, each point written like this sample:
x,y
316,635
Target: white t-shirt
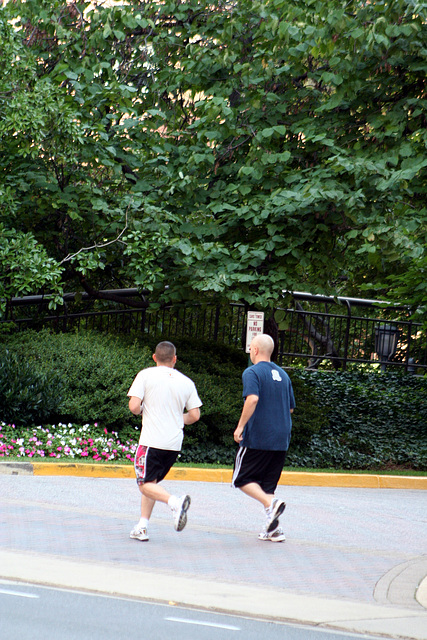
x,y
165,393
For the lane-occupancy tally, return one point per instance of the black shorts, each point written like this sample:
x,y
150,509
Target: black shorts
x,y
262,467
152,465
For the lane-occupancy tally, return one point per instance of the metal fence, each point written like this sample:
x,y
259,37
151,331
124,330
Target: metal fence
x,y
316,331
339,339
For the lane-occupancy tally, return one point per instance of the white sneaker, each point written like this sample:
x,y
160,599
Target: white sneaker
x,y
139,533
180,513
276,509
274,536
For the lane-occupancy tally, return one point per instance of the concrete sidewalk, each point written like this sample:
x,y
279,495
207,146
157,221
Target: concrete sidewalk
x,y
355,558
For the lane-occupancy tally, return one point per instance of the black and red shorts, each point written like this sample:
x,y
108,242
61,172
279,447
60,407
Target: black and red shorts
x,y
262,467
151,464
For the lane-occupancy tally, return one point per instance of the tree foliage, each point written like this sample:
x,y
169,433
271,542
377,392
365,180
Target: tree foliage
x,y
230,148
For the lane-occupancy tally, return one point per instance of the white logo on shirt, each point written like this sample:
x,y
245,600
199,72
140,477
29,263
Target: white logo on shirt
x,y
276,375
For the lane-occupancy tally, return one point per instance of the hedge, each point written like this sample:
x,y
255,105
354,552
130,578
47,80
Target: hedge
x,y
352,419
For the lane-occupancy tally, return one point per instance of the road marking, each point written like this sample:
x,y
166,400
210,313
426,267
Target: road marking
x,y
21,594
204,624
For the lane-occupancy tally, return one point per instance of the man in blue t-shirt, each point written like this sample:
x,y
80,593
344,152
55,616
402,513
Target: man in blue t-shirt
x,y
263,433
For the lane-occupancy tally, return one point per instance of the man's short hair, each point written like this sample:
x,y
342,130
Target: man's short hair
x,y
165,351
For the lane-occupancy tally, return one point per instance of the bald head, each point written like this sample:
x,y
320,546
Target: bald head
x,y
262,347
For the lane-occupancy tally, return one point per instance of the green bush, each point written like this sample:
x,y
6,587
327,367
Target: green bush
x,y
309,417
95,371
375,420
27,396
350,419
208,454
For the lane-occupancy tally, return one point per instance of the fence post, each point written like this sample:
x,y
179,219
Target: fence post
x,y
347,335
408,348
142,325
216,326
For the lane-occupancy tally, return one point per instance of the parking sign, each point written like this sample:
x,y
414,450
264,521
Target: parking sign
x,y
255,326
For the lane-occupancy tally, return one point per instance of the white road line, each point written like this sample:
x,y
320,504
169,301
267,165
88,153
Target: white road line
x,y
21,594
204,624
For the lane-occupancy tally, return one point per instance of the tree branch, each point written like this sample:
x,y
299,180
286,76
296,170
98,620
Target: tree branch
x,y
70,256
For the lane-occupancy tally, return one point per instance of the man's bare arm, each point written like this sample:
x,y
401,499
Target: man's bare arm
x,y
247,411
191,416
135,405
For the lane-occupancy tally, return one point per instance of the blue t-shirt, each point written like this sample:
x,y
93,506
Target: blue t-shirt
x,y
269,428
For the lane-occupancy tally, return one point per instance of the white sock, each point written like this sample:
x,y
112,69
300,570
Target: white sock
x,y
173,502
268,509
143,523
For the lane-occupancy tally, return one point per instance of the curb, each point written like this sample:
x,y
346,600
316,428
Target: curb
x,y
290,478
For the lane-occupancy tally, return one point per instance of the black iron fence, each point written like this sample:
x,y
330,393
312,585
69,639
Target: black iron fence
x,y
343,338
317,331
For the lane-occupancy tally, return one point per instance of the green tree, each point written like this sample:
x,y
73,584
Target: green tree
x,y
224,149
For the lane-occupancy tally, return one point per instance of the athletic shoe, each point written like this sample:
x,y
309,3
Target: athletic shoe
x,y
139,533
273,514
274,536
180,513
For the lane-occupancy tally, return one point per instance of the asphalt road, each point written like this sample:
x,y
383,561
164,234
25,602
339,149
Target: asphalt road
x,y
30,612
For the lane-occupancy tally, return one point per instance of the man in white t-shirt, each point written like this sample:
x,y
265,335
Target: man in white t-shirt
x,y
161,394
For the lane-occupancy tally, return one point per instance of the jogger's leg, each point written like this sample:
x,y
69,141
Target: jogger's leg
x,y
253,490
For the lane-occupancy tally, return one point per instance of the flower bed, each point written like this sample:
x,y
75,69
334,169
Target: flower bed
x,y
64,441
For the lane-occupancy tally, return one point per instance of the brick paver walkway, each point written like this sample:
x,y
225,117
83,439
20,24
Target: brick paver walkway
x,y
340,542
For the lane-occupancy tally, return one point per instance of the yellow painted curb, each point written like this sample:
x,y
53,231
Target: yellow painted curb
x,y
289,478
363,481
201,475
83,470
402,482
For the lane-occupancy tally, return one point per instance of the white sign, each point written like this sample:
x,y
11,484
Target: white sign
x,y
255,326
